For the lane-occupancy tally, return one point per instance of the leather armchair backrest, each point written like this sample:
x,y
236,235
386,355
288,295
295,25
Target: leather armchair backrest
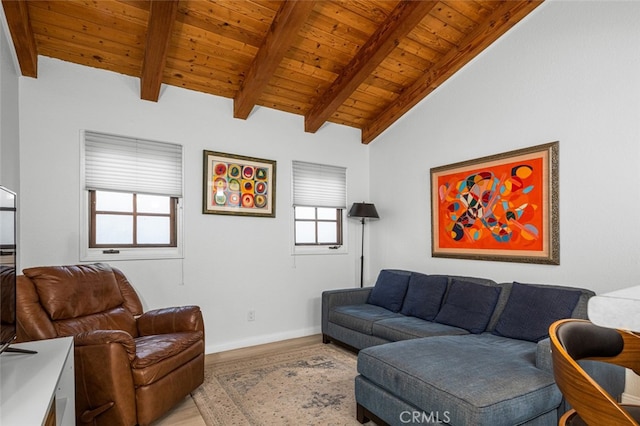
x,y
33,321
75,299
131,300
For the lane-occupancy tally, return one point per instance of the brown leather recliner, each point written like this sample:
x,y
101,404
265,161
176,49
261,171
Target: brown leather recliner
x,y
130,367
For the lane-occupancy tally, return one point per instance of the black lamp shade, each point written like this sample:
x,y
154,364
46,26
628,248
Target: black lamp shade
x,y
363,210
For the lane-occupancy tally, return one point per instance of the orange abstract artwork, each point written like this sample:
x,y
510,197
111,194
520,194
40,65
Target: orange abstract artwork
x,y
496,206
491,208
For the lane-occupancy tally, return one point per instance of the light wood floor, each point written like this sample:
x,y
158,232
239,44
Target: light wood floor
x,y
186,413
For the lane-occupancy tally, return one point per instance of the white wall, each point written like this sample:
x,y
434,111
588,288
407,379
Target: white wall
x,y
9,129
567,72
232,264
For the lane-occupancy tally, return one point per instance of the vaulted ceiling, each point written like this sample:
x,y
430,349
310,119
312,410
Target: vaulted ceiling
x,y
360,63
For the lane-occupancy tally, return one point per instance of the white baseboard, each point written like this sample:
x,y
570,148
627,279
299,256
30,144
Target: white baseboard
x,y
261,340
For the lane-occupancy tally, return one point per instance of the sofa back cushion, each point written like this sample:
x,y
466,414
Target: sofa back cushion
x,y
390,289
424,295
531,309
468,305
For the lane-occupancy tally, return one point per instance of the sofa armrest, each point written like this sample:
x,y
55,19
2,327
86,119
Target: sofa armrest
x,y
105,337
171,320
341,297
543,355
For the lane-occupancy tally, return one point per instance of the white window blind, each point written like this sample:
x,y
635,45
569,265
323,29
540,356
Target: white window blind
x,y
118,163
319,185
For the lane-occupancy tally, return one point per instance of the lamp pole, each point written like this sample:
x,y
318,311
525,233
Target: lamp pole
x,y
363,210
362,257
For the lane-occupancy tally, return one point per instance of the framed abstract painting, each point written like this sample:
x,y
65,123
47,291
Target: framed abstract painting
x,y
503,207
238,185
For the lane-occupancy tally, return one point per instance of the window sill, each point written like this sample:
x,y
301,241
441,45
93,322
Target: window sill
x,y
321,250
94,255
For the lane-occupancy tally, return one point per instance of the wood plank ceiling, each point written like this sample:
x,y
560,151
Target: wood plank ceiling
x,y
360,63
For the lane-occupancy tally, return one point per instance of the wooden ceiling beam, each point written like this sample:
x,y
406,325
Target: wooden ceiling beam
x,y
24,42
162,15
501,20
402,19
284,28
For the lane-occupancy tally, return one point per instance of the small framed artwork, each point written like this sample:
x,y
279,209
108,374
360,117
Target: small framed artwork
x,y
502,208
238,185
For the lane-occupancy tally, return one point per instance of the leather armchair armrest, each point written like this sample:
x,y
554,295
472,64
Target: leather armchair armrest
x,y
105,392
170,320
102,337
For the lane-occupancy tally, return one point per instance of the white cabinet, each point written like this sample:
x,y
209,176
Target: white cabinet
x,y
38,389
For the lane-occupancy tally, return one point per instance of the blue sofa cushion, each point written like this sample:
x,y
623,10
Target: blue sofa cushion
x,y
359,317
478,379
424,296
531,309
468,305
406,327
390,289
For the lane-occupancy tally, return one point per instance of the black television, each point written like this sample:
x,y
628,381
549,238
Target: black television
x,y
8,288
7,268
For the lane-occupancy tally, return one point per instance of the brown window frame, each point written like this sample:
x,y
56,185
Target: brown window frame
x,y
172,215
338,221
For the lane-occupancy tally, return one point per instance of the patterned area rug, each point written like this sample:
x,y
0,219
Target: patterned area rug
x,y
307,386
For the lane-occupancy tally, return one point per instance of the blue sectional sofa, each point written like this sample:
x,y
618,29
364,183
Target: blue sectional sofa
x,y
456,350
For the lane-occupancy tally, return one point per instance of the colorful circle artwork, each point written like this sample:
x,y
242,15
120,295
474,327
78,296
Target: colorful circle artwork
x,y
234,199
220,169
248,172
261,173
260,200
239,185
220,183
247,200
220,198
234,185
261,188
234,171
247,186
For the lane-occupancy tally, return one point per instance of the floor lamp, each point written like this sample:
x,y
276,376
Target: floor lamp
x,y
363,210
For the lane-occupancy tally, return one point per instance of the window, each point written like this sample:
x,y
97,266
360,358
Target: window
x,y
318,226
319,201
133,192
120,219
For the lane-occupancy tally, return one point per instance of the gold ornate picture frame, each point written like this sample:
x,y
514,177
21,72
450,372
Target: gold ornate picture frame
x,y
238,185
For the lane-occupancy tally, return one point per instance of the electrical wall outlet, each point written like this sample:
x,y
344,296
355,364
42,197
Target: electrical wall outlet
x,y
251,315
